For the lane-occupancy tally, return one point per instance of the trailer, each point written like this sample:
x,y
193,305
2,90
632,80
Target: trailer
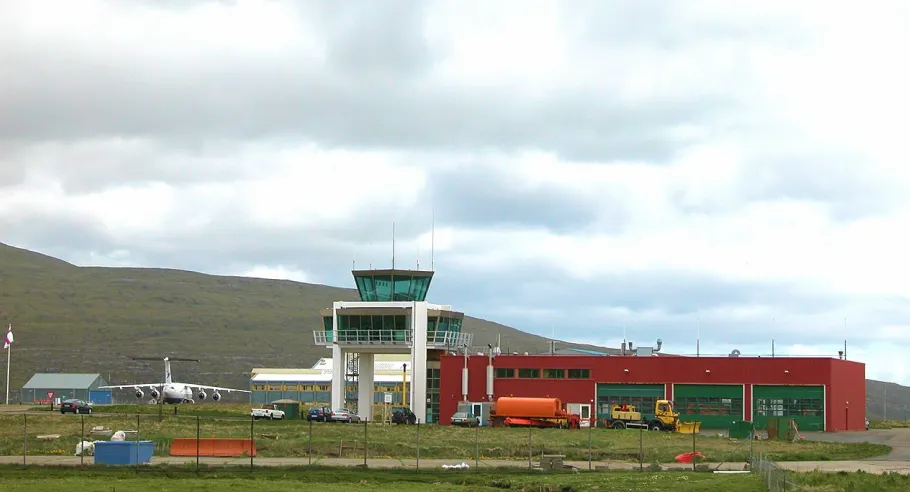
x,y
532,412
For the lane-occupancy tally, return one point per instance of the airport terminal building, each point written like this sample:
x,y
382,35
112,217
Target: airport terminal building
x,y
444,372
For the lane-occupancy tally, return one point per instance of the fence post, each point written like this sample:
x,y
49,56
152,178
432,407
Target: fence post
x,y
476,449
81,440
641,449
310,445
418,445
365,442
137,440
694,458
24,438
252,441
529,446
198,435
590,449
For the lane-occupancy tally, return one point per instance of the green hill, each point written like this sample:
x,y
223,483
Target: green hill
x,y
89,319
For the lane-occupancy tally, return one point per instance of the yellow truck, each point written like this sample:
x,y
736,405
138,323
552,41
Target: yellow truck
x,y
663,418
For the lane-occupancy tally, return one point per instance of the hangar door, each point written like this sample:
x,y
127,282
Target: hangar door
x,y
714,405
644,396
804,404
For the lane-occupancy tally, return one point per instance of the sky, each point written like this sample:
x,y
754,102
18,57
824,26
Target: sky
x,y
727,171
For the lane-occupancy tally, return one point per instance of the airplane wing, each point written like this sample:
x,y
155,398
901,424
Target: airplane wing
x,y
149,385
213,388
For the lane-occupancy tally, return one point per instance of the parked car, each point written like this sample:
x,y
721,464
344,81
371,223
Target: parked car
x,y
268,411
403,415
319,414
465,419
76,406
343,415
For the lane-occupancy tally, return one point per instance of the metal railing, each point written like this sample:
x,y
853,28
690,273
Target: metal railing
x,y
775,477
391,337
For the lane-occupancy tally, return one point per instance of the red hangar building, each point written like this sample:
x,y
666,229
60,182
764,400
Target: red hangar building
x,y
820,394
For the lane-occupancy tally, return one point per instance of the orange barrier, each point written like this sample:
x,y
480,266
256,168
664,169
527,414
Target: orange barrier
x,y
220,447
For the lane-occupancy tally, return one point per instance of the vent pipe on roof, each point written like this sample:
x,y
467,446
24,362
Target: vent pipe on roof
x,y
659,343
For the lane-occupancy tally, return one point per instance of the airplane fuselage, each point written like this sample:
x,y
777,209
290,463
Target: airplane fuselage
x,y
174,394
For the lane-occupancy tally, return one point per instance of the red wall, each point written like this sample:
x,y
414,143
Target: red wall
x,y
847,398
845,380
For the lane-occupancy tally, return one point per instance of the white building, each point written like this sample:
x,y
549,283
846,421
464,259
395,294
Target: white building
x,y
392,317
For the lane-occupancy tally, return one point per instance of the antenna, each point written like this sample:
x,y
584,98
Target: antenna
x,y
354,257
393,245
698,339
432,239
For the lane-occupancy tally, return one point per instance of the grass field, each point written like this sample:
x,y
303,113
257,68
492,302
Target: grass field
x,y
293,438
335,480
854,481
889,424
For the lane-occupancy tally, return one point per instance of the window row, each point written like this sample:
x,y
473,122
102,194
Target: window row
x,y
779,407
709,406
290,387
545,373
384,325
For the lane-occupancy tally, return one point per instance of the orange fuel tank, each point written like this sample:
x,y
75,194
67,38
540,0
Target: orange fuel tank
x,y
511,406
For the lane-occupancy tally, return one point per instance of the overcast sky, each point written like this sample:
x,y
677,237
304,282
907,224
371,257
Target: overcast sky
x,y
593,165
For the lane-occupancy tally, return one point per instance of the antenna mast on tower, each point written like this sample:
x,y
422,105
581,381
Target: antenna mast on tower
x,y
393,245
433,240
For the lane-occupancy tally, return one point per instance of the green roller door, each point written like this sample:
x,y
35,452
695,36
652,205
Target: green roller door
x,y
644,396
804,404
714,405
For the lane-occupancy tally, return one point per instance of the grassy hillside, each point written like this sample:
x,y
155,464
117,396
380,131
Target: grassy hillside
x,y
87,319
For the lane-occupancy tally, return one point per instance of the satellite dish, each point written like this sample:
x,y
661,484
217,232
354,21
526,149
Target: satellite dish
x,y
735,353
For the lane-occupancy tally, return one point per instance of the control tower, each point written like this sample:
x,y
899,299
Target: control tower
x,y
392,317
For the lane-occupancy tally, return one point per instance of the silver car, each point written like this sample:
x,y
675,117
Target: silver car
x,y
343,415
465,419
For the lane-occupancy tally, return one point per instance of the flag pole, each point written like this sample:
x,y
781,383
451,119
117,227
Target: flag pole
x,y
9,352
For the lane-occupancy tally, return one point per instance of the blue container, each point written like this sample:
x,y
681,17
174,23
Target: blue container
x,y
123,452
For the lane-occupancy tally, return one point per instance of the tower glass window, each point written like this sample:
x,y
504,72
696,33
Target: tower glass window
x,y
392,285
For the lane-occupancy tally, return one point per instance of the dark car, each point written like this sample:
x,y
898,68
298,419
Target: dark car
x,y
75,406
403,415
319,414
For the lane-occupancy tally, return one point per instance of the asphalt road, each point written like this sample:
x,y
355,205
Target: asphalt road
x,y
898,439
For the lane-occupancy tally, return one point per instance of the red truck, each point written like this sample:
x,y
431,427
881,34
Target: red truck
x,y
512,411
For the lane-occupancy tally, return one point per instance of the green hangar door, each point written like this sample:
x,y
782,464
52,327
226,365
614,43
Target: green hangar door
x,y
714,405
804,404
643,396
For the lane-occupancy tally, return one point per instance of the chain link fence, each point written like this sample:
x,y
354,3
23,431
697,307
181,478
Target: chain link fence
x,y
775,477
197,443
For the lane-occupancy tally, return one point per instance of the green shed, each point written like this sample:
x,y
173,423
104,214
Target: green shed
x,y
291,408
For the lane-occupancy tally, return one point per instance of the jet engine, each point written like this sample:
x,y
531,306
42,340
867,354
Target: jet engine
x,y
139,393
216,396
154,394
201,395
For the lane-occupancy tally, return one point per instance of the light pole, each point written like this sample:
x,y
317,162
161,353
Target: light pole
x,y
590,430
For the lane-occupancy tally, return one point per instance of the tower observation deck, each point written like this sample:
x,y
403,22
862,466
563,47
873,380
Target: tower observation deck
x,y
392,317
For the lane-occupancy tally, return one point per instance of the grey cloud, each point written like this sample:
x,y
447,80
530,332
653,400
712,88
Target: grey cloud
x,y
91,165
483,195
258,98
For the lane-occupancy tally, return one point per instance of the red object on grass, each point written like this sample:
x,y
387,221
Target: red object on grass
x,y
689,457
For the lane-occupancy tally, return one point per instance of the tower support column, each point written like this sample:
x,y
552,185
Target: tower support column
x,y
365,386
419,360
338,369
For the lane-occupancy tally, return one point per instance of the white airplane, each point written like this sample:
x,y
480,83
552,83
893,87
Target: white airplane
x,y
172,392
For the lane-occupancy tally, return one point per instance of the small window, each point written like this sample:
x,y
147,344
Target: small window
x,y
529,373
554,373
505,373
579,374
